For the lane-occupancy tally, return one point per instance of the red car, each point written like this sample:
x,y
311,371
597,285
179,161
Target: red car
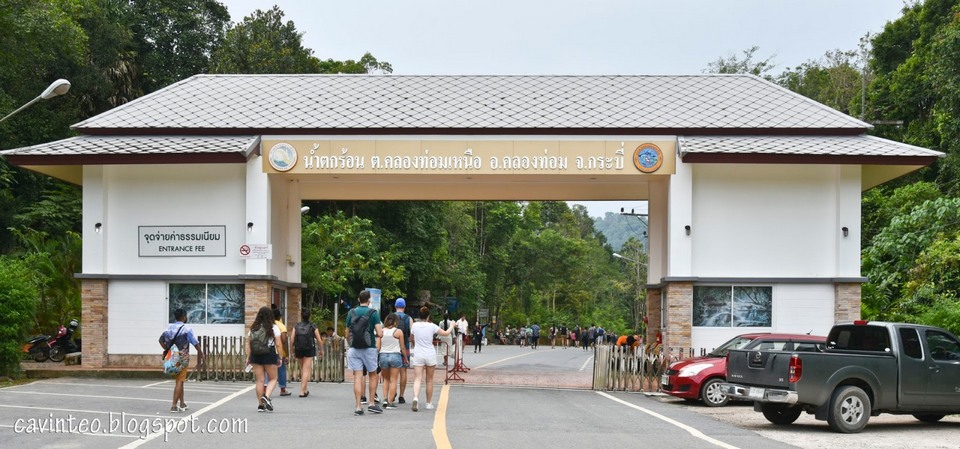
x,y
700,377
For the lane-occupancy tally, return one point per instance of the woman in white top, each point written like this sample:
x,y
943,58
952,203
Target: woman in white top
x,y
391,357
424,356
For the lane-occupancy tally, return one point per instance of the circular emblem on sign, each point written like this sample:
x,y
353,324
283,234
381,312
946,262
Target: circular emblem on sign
x,y
648,158
282,157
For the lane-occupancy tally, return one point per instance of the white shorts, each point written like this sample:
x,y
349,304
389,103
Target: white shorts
x,y
424,361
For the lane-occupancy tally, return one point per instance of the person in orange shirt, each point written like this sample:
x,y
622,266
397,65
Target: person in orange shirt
x,y
629,340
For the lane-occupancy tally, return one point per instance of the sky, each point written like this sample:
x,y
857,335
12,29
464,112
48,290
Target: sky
x,y
577,37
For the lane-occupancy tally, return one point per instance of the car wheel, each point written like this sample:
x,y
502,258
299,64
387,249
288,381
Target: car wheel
x,y
849,410
712,395
781,414
928,418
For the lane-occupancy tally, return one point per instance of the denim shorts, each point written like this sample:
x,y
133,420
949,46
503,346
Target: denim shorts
x,y
362,359
391,360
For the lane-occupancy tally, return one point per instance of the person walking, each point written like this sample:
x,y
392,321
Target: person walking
x,y
477,338
363,330
424,360
535,335
180,335
403,323
446,340
392,358
283,349
307,343
263,339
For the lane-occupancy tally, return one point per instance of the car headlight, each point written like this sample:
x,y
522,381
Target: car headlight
x,y
693,370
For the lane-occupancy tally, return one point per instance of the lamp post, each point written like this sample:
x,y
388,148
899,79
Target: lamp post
x,y
639,308
56,88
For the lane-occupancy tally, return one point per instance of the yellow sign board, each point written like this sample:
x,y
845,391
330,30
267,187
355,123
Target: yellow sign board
x,y
480,157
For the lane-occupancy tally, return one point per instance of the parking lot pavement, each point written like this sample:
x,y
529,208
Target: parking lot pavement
x,y
121,413
67,412
884,431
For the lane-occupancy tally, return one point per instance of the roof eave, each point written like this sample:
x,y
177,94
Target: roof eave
x,y
820,159
476,131
123,159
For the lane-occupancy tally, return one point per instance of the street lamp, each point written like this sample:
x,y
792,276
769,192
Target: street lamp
x,y
641,310
56,88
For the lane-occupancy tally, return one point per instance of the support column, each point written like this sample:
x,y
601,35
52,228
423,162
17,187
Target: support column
x,y
654,323
93,322
679,306
256,295
846,306
294,304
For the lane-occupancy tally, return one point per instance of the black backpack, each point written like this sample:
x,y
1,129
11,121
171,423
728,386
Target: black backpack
x,y
405,326
361,326
304,341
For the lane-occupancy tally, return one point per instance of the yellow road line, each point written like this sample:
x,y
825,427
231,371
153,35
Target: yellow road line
x,y
440,420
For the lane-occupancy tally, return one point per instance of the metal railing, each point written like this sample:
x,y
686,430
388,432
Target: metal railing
x,y
225,360
623,368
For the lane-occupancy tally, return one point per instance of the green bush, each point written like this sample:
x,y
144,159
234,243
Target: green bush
x,y
18,304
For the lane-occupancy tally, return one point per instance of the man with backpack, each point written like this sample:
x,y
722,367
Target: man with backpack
x,y
180,335
363,329
404,322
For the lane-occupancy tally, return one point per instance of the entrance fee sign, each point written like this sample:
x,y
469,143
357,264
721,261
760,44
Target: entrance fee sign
x,y
182,241
256,251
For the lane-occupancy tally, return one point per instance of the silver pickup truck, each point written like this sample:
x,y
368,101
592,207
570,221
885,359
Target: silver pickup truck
x,y
867,368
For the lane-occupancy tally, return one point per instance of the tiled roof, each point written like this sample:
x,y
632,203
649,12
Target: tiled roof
x,y
139,145
801,145
332,103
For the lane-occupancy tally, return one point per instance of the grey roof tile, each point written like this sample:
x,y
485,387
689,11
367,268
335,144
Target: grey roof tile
x,y
127,145
800,145
352,102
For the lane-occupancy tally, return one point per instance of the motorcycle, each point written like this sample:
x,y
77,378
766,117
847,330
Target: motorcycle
x,y
55,348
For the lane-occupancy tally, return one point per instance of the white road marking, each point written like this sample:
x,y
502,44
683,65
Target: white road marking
x,y
587,362
694,432
200,388
157,383
190,417
75,410
97,396
88,434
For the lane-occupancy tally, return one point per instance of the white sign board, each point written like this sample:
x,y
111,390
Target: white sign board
x,y
182,241
256,251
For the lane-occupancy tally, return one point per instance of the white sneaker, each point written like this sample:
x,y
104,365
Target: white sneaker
x,y
414,404
429,406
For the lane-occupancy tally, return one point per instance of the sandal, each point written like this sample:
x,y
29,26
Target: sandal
x,y
304,394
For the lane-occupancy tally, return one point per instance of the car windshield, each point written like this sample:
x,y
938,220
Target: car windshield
x,y
734,343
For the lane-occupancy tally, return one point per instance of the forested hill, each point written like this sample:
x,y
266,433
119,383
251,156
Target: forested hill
x,y
619,228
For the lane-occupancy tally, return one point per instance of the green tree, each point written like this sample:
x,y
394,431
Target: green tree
x,y
894,252
340,256
834,80
744,64
176,38
18,301
264,43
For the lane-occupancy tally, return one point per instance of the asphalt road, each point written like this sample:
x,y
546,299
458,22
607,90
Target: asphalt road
x,y
514,413
468,417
